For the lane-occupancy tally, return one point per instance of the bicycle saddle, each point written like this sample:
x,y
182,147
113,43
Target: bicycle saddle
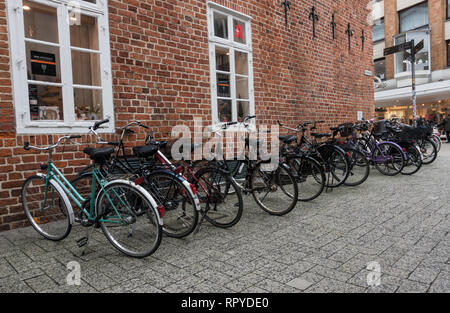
x,y
288,138
316,135
160,144
99,155
145,151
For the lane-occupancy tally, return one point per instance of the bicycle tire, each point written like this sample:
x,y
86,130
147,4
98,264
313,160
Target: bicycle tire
x,y
358,160
269,181
33,190
136,204
222,190
310,176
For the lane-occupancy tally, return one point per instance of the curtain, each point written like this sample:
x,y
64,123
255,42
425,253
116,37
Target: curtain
x,y
414,17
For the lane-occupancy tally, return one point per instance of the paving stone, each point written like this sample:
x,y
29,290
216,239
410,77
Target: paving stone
x,y
409,286
321,246
300,284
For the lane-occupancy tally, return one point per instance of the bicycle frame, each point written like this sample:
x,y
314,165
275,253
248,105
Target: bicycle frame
x,y
97,178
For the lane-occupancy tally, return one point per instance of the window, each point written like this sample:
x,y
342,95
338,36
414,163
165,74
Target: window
x,y
380,68
423,57
61,65
231,64
378,30
448,53
448,9
414,18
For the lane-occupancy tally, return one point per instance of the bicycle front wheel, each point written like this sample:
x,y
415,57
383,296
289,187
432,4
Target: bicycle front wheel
x,y
414,162
129,220
274,190
428,149
45,208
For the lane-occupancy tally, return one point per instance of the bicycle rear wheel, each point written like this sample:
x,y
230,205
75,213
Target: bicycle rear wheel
x,y
274,190
221,196
414,162
46,208
389,159
359,168
428,149
181,214
129,220
310,177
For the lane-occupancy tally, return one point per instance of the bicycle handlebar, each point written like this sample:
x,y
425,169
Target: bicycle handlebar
x,y
28,147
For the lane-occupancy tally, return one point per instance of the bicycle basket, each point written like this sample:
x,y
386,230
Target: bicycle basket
x,y
380,127
346,130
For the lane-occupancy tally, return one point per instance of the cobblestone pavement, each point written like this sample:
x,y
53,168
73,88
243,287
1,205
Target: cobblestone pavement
x,y
402,223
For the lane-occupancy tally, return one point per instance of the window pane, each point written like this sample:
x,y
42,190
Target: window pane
x,y
45,103
414,17
40,22
243,108
88,104
242,88
86,68
43,62
224,109
380,69
222,59
422,61
223,85
448,52
220,25
378,30
239,32
400,61
241,62
84,32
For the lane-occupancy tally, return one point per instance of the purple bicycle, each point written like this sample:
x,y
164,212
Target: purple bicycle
x,y
387,156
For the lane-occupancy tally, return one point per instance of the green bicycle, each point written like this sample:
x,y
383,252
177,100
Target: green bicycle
x,y
127,214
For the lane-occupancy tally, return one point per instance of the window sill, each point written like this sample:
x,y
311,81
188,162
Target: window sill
x,y
60,128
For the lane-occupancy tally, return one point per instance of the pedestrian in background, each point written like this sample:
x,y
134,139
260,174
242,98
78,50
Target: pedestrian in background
x,y
446,125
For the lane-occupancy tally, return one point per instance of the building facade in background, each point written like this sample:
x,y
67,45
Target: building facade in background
x,y
65,64
427,22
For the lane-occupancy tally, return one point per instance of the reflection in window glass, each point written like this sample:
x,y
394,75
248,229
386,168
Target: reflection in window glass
x,y
45,103
220,25
448,52
43,62
378,30
403,59
224,110
242,88
88,68
414,17
88,104
222,59
223,85
241,62
84,32
380,69
40,22
239,32
243,108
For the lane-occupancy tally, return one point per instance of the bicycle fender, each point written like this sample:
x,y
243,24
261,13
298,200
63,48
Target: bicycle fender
x,y
186,184
141,189
63,195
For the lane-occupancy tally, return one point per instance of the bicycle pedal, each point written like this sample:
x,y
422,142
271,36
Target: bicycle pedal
x,y
82,242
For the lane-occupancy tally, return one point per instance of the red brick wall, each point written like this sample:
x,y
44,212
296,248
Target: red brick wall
x,y
161,74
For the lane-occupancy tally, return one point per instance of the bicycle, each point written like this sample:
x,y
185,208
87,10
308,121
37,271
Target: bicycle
x,y
168,187
127,214
274,188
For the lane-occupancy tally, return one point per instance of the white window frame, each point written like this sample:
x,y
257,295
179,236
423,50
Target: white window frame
x,y
24,124
232,46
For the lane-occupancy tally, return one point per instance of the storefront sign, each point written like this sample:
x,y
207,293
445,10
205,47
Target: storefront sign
x,y
43,63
